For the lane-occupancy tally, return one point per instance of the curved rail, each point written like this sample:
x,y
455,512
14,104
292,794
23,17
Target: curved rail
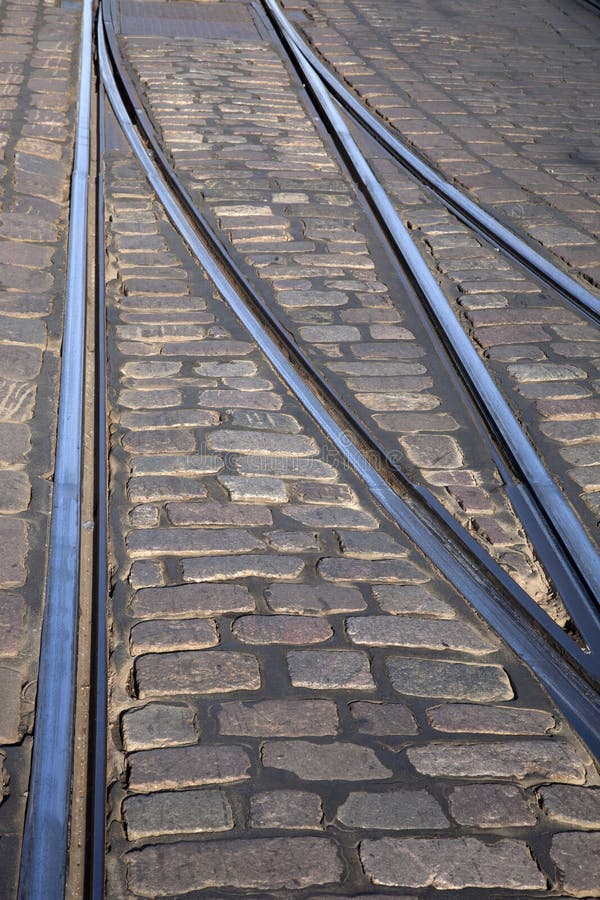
x,y
510,612
45,840
454,199
556,513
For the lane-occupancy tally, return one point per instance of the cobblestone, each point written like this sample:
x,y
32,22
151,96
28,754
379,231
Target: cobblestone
x,y
286,809
455,680
325,762
490,806
577,807
211,671
181,767
158,725
279,718
176,812
330,669
393,810
577,858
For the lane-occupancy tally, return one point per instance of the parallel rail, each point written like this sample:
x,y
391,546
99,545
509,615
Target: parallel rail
x,y
561,665
487,225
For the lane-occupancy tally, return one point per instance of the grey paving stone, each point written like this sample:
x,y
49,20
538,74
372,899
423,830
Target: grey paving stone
x,y
265,421
211,513
330,669
278,718
286,809
15,443
383,718
577,856
550,760
242,566
410,631
258,863
471,718
11,729
191,541
158,725
377,545
329,517
454,680
14,543
281,630
314,600
490,806
395,810
198,671
190,464
265,443
450,863
292,541
173,768
192,600
287,467
176,812
433,451
325,762
371,570
254,488
578,807
411,599
12,621
147,488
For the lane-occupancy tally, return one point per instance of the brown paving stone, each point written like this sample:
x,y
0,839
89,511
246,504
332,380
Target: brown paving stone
x,y
577,856
490,806
281,630
158,725
320,599
325,762
286,809
278,718
577,807
167,634
383,718
188,541
195,600
208,671
13,539
330,669
410,631
396,810
470,718
455,680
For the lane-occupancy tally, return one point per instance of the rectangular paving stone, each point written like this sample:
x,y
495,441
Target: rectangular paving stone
x,y
490,806
242,566
453,680
313,600
195,671
376,545
383,718
576,807
328,517
410,631
286,809
450,863
211,513
256,864
176,812
13,540
548,760
172,768
339,761
158,725
192,599
372,570
287,467
278,718
281,630
156,635
577,857
330,669
256,443
148,488
471,718
189,541
396,810
411,599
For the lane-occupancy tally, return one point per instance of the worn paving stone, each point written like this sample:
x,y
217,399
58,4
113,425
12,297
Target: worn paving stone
x,y
324,762
176,812
172,768
330,669
158,725
281,630
396,810
11,729
13,539
454,680
578,807
383,718
258,863
278,718
409,631
526,759
12,621
261,443
577,856
471,718
189,541
377,545
255,488
286,809
201,671
490,806
209,513
309,600
242,566
157,635
374,570
330,517
406,600
192,600
450,863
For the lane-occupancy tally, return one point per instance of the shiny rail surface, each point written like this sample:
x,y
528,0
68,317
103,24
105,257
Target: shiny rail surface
x,y
571,552
44,856
494,231
533,636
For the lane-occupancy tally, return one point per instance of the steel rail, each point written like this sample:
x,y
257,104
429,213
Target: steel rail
x,y
44,857
565,580
558,514
580,703
454,199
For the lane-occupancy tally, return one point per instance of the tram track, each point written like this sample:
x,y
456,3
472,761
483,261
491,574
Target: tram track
x,y
531,486
455,564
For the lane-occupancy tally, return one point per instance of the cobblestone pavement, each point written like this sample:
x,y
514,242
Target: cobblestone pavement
x,y
279,196
300,705
502,99
38,59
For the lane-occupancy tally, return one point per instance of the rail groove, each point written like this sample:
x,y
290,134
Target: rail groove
x,y
536,639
